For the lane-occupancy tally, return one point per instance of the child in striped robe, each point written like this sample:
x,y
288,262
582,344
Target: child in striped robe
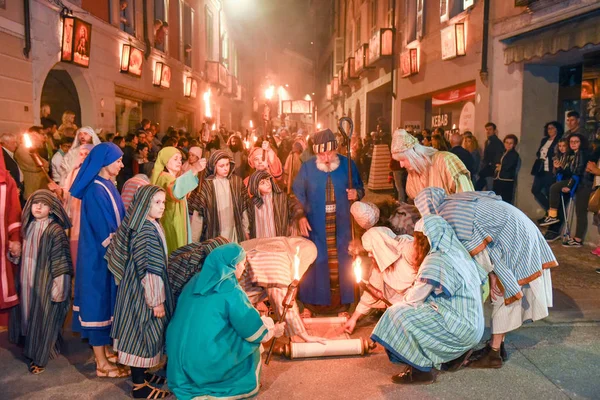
x,y
137,257
46,271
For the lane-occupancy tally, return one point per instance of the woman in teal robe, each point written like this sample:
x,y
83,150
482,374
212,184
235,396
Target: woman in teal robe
x,y
216,353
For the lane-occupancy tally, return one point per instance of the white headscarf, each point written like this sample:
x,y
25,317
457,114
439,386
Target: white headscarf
x,y
70,159
197,151
386,247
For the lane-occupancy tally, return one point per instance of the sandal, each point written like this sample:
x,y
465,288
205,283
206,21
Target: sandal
x,y
117,372
35,369
112,358
146,391
155,379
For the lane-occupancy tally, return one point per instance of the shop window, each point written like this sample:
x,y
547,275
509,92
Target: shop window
x,y
187,33
210,34
128,114
127,16
184,120
455,7
161,26
373,16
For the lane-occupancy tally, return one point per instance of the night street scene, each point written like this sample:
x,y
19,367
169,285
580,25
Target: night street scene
x,y
299,199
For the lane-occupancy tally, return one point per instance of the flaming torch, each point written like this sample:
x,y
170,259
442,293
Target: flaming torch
x,y
207,117
366,286
289,298
35,156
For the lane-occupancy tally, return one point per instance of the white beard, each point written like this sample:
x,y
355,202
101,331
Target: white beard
x,y
328,168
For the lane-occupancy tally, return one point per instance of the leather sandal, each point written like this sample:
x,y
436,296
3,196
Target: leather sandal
x,y
35,369
155,379
150,392
413,376
117,372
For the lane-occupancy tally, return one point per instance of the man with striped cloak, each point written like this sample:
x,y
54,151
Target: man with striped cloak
x,y
222,202
440,318
510,247
427,166
45,279
137,258
271,212
322,188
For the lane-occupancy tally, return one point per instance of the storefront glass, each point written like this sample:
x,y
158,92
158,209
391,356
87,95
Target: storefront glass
x,y
128,114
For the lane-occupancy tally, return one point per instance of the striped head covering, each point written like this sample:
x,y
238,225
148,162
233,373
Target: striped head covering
x,y
440,234
101,156
324,141
118,252
386,247
365,214
211,165
161,162
57,212
218,271
429,200
253,183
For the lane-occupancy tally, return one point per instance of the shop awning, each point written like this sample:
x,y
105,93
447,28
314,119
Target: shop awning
x,y
551,40
454,96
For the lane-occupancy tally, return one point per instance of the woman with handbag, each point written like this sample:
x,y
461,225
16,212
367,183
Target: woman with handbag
x,y
542,167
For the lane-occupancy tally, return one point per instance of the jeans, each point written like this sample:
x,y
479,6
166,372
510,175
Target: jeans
x,y
582,197
541,189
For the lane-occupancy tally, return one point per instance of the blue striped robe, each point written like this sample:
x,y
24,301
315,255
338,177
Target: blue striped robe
x,y
445,325
137,331
482,220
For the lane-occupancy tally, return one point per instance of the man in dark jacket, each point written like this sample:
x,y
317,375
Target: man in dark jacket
x,y
494,148
462,153
129,167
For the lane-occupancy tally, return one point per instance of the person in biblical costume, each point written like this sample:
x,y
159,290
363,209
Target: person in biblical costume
x,y
440,318
270,270
45,279
271,212
292,166
175,221
10,245
95,290
73,205
510,247
84,135
264,159
427,166
131,186
34,176
322,188
216,354
393,271
223,201
137,257
187,261
194,156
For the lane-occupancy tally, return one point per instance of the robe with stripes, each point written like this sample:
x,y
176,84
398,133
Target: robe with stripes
x,y
137,332
46,317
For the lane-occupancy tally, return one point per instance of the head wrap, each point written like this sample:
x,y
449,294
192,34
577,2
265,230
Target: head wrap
x,y
429,200
195,150
57,212
211,165
161,162
324,141
118,252
365,214
90,131
101,156
218,271
254,152
386,247
440,234
402,141
298,146
253,189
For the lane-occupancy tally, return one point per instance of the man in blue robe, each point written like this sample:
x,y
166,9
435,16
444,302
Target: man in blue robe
x,y
321,186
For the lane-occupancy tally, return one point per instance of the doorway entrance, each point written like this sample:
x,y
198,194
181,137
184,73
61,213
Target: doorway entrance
x,y
60,93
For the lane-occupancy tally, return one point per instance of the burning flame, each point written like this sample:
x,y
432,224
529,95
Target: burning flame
x,y
214,127
207,112
307,137
247,144
297,264
27,140
251,124
254,138
357,265
319,126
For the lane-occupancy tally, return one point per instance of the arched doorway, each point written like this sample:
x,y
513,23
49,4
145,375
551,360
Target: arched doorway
x,y
60,93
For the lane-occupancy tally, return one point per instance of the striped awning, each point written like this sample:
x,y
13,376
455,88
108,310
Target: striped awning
x,y
551,40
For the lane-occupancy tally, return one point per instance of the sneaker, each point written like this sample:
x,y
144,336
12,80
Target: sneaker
x,y
549,221
596,251
572,243
540,220
551,236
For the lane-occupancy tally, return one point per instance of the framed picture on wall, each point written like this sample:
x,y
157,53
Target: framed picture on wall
x,y
66,48
136,60
3,4
165,79
82,43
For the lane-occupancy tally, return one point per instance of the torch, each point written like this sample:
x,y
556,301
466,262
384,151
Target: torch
x,y
207,117
347,138
35,156
366,286
289,298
